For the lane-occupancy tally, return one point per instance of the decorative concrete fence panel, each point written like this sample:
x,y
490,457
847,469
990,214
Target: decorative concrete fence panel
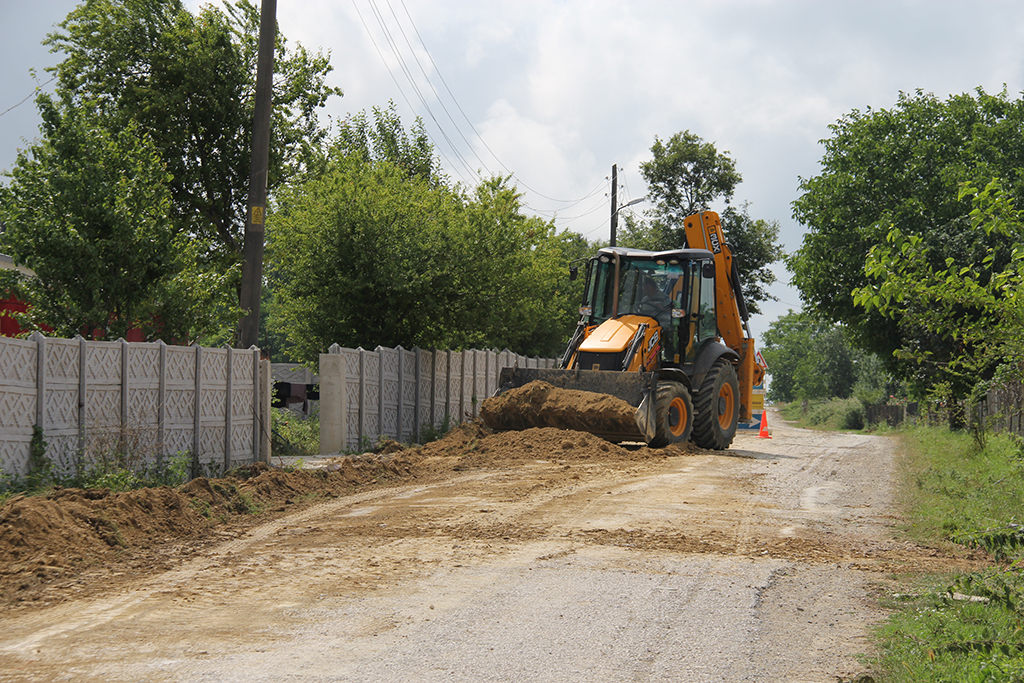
x,y
398,393
138,402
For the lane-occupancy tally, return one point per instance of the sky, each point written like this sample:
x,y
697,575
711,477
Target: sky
x,y
556,92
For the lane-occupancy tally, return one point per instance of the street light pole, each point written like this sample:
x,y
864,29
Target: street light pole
x,y
615,207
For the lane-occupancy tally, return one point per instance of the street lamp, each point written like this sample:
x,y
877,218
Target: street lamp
x,y
615,215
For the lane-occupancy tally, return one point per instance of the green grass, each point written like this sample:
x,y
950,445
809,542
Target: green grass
x,y
293,434
836,413
954,491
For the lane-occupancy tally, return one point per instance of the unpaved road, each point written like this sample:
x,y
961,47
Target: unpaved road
x,y
756,564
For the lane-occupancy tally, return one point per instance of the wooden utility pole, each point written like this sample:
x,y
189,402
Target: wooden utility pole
x,y
252,249
615,208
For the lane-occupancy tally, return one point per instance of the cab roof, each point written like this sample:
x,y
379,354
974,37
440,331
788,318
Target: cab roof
x,y
682,254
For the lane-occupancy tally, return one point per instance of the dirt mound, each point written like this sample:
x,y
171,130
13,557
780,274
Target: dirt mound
x,y
539,404
61,533
45,537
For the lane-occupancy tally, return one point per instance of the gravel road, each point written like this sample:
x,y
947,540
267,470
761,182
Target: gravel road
x,y
760,563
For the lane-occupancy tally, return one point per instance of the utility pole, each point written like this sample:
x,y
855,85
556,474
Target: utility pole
x,y
252,249
615,201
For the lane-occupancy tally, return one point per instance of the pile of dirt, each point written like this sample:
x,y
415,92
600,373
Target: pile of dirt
x,y
55,535
539,404
58,534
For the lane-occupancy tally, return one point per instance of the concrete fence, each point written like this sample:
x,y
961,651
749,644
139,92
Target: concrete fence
x,y
399,393
142,401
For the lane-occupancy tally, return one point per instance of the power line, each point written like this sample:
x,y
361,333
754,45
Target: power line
x,y
397,84
416,89
27,97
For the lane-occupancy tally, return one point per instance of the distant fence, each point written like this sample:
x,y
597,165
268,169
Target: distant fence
x,y
142,400
397,393
1002,410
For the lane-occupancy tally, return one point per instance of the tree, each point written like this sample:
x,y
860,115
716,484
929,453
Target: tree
x,y
375,248
810,359
977,309
86,209
188,82
902,168
754,244
684,177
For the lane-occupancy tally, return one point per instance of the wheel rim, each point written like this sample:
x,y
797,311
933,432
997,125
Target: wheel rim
x,y
677,417
726,406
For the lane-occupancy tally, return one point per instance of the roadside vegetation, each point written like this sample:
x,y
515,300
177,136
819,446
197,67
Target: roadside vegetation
x,y
966,627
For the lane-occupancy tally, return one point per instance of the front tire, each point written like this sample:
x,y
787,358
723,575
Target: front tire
x,y
674,415
717,407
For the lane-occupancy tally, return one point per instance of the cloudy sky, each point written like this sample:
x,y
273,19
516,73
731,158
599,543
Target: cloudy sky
x,y
557,92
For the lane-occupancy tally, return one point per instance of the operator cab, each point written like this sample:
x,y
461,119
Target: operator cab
x,y
673,289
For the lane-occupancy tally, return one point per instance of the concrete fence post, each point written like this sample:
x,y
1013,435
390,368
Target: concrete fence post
x,y
161,406
228,380
83,364
333,403
266,387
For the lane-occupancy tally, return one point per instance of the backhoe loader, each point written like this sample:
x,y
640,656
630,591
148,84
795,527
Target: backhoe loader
x,y
667,333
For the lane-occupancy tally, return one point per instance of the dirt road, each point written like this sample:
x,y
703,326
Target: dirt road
x,y
572,561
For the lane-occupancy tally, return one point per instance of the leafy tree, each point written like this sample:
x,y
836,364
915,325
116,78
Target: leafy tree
x,y
902,168
368,251
684,177
810,359
188,82
86,209
976,309
366,255
384,138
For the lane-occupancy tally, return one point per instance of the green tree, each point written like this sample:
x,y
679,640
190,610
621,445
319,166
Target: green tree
x,y
367,252
754,242
188,81
810,359
684,177
977,310
384,138
86,209
902,168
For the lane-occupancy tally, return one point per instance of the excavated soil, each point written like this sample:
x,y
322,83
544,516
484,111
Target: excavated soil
x,y
70,533
538,404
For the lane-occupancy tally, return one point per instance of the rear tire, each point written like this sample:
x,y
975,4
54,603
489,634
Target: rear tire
x,y
674,414
717,407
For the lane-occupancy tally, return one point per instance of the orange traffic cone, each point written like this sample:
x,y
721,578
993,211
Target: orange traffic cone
x,y
764,426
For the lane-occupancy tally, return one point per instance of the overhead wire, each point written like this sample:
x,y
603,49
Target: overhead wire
x,y
398,85
394,46
415,87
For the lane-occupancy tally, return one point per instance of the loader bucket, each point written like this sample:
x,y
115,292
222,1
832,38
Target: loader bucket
x,y
608,404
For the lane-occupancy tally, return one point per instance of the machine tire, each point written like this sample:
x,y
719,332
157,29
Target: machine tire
x,y
674,413
717,407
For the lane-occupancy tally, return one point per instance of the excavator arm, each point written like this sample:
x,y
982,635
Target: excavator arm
x,y
704,231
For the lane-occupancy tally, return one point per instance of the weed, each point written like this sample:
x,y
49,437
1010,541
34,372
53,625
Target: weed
x,y
430,432
293,434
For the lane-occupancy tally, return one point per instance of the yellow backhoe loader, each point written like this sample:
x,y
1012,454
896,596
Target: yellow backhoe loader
x,y
666,332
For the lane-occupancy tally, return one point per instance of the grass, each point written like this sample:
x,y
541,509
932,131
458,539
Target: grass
x,y
837,413
965,628
293,434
